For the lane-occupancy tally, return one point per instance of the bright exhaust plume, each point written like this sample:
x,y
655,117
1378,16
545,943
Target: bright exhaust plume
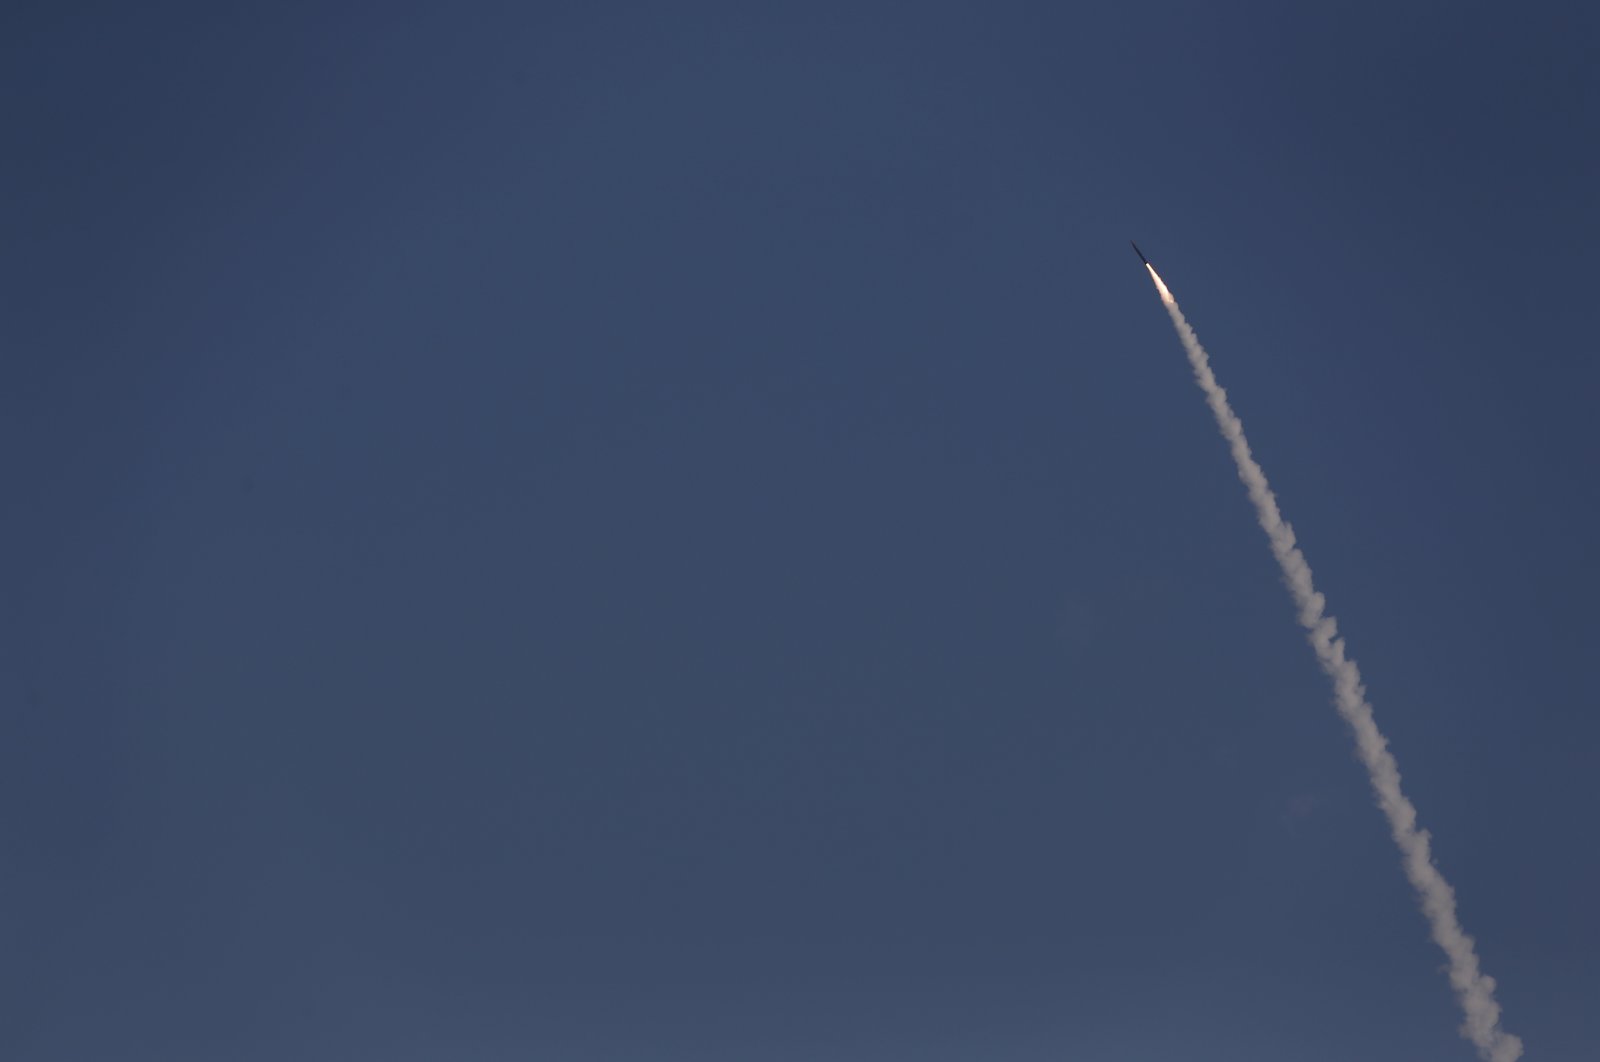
x,y
1474,989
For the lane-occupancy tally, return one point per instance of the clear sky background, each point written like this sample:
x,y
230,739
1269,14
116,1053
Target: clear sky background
x,y
606,532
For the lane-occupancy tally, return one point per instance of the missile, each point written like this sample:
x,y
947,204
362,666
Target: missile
x,y
1140,253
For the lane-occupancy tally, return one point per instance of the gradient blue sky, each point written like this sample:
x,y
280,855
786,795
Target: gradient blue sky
x,y
589,531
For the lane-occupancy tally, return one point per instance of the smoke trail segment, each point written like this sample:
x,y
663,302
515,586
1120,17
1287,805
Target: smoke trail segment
x,y
1474,988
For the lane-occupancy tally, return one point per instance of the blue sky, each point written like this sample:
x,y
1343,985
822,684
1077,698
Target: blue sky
x,y
606,532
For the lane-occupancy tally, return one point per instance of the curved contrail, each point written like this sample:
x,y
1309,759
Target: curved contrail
x,y
1473,987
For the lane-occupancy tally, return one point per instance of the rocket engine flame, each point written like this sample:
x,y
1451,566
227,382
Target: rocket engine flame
x,y
1166,296
1474,989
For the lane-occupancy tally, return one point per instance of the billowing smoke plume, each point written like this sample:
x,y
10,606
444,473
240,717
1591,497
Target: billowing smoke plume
x,y
1473,987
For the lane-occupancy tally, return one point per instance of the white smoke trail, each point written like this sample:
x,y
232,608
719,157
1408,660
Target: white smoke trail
x,y
1473,987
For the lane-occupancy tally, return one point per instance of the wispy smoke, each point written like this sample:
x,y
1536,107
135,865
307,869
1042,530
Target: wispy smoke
x,y
1473,987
